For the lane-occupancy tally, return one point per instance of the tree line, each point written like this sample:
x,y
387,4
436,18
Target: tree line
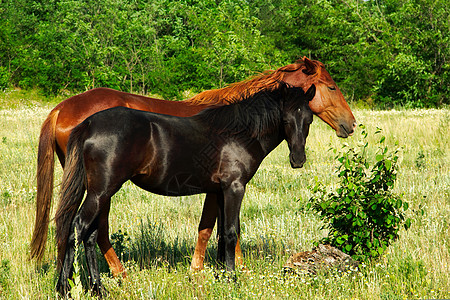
x,y
387,53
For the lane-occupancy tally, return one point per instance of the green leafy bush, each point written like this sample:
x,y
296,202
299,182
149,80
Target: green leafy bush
x,y
363,215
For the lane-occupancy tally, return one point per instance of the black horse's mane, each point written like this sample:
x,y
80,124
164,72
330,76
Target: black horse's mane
x,y
253,115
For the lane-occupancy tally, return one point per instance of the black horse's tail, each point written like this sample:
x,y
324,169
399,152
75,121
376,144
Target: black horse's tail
x,y
72,191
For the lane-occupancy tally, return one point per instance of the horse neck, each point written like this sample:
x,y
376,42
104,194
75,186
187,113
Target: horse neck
x,y
271,136
269,142
256,119
268,81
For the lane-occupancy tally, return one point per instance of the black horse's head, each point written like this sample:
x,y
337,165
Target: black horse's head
x,y
297,116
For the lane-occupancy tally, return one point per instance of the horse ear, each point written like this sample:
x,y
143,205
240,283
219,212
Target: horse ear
x,y
311,92
310,66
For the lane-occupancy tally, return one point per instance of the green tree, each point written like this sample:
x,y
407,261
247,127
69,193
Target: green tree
x,y
417,75
393,52
388,52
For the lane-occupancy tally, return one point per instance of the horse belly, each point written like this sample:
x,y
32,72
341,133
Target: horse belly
x,y
179,184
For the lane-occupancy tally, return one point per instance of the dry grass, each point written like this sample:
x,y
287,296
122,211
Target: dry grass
x,y
162,230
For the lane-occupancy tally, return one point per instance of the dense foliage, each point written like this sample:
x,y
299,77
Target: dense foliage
x,y
363,215
386,53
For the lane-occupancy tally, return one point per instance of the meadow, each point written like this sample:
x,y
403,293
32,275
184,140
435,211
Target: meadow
x,y
155,235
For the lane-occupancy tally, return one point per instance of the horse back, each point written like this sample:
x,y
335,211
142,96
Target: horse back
x,y
162,154
123,144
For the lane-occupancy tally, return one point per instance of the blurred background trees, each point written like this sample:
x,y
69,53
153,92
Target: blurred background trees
x,y
392,53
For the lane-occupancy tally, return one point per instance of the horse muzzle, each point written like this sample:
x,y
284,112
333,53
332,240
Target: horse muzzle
x,y
297,161
344,131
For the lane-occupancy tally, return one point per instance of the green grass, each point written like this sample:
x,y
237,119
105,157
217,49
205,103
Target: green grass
x,y
162,231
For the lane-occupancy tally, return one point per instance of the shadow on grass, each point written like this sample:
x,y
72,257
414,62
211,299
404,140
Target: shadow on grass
x,y
150,248
153,248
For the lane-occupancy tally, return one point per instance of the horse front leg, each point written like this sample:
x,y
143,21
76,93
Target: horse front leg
x,y
208,219
205,228
238,256
231,206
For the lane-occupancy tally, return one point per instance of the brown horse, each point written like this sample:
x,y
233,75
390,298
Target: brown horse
x,y
328,104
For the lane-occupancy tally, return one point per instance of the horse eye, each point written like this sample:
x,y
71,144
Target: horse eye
x,y
332,88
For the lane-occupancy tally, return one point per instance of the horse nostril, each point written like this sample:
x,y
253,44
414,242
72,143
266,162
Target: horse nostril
x,y
352,130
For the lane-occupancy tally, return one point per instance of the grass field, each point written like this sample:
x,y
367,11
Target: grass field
x,y
156,235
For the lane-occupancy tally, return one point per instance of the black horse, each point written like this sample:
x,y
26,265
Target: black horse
x,y
216,151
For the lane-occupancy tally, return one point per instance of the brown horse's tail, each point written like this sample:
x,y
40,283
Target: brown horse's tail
x,y
73,187
45,171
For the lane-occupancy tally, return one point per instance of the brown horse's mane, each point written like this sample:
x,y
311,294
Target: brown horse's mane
x,y
251,114
268,80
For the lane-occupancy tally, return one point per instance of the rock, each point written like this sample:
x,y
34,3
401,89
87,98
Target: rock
x,y
320,258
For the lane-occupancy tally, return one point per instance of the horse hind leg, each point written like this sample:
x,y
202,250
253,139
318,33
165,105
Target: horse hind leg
x,y
91,258
83,229
75,238
105,246
66,271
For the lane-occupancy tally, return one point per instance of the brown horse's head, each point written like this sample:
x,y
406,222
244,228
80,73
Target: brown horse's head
x,y
329,103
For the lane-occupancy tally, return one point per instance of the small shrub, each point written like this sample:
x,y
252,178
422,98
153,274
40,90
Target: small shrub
x,y
363,215
420,160
120,242
5,197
